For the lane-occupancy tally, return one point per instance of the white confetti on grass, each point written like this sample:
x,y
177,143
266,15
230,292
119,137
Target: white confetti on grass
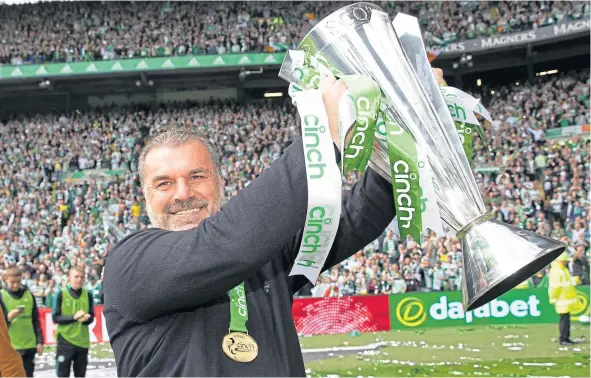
x,y
539,364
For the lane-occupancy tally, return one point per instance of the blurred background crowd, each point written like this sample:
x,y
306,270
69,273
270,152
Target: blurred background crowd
x,y
68,182
84,31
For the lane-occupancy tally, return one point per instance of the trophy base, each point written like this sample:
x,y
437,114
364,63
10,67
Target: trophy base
x,y
497,257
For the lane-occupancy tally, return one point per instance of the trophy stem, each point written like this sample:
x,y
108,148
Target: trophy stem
x,y
480,219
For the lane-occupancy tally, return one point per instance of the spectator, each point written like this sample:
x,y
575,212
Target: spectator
x,y
87,31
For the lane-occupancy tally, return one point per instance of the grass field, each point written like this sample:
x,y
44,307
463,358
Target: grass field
x,y
494,351
508,351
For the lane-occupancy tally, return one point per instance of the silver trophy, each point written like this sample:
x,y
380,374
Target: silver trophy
x,y
360,39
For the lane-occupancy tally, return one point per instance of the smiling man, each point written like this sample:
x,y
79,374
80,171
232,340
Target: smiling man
x,y
174,292
172,202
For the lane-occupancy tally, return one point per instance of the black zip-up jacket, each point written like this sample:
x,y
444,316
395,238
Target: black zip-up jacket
x,y
35,318
59,318
166,303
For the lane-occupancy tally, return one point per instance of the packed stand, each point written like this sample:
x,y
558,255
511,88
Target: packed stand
x,y
52,219
83,31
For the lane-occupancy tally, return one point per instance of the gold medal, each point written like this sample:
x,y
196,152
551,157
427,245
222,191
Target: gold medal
x,y
240,347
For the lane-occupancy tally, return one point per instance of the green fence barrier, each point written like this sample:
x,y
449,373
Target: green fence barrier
x,y
130,65
444,309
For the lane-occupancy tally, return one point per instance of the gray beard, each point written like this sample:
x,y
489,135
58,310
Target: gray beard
x,y
161,220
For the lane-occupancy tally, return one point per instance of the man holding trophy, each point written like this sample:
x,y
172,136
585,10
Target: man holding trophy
x,y
208,290
205,310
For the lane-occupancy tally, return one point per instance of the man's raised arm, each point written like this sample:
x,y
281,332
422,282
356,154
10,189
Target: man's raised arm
x,y
367,209
156,272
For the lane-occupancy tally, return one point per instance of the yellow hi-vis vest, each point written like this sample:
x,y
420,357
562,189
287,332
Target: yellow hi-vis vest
x,y
561,291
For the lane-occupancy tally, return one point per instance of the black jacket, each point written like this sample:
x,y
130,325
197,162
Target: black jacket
x,y
166,306
35,317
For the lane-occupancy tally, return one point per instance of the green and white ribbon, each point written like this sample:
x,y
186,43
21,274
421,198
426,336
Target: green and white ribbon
x,y
361,107
413,182
409,35
364,97
430,218
357,114
478,107
358,108
463,108
404,168
238,309
324,186
465,133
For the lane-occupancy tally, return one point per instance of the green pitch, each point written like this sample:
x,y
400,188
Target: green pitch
x,y
493,351
507,351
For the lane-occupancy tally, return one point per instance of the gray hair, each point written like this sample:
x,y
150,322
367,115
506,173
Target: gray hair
x,y
175,138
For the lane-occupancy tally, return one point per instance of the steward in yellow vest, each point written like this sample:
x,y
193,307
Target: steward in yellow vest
x,y
562,294
24,327
73,312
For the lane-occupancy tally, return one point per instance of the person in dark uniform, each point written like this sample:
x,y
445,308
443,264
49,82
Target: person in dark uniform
x,y
24,327
207,290
73,312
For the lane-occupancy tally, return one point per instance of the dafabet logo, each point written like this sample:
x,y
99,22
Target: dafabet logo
x,y
411,312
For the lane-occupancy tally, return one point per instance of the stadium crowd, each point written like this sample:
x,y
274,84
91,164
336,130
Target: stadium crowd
x,y
69,186
81,31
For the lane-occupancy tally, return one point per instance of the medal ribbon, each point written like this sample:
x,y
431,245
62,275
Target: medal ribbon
x,y
238,309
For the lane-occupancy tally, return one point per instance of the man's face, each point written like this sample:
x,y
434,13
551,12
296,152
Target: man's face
x,y
181,186
13,283
76,279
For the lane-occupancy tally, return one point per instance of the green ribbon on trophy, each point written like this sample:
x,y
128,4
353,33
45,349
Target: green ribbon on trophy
x,y
323,176
365,96
324,186
406,184
413,194
463,108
